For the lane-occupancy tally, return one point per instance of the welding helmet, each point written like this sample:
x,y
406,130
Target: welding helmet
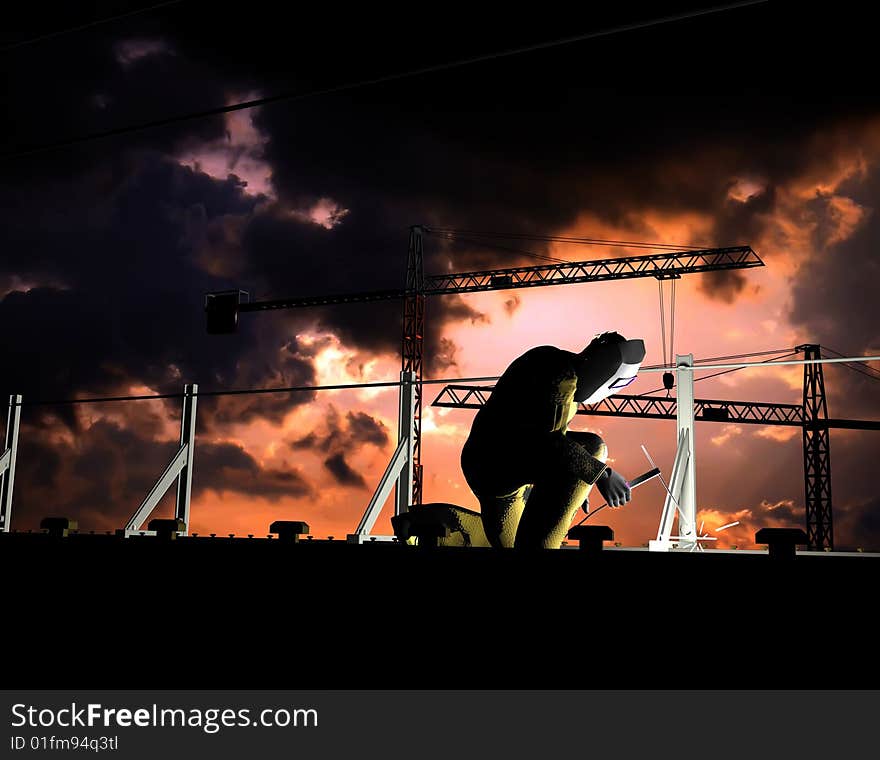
x,y
611,362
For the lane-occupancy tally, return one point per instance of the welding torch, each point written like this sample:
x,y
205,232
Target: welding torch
x,y
643,478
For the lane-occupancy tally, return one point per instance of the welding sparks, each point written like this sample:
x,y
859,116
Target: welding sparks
x,y
725,527
655,467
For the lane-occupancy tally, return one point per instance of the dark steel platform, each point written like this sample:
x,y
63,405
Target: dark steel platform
x,y
105,611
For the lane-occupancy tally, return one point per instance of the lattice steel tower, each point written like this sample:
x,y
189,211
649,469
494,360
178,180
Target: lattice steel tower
x,y
817,454
414,344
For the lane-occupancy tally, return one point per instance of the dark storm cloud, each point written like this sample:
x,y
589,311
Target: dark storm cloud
x,y
340,438
835,294
723,285
343,473
120,238
511,305
456,308
228,467
444,356
738,222
130,306
858,527
357,429
310,441
854,457
332,439
38,462
606,168
479,157
263,368
363,427
103,478
781,512
283,256
114,231
79,86
99,481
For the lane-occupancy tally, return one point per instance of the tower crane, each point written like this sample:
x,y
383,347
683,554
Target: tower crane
x,y
224,307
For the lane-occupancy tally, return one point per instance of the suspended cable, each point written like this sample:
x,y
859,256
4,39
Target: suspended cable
x,y
737,369
333,89
565,239
786,363
249,391
672,324
658,367
88,25
862,369
833,351
386,384
726,371
662,321
589,515
507,249
745,356
254,391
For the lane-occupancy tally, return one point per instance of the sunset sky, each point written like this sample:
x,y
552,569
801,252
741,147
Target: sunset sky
x,y
719,130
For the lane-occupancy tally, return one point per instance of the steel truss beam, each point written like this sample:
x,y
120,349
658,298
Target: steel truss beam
x,y
662,265
648,407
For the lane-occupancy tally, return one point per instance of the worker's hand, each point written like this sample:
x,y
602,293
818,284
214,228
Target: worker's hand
x,y
614,488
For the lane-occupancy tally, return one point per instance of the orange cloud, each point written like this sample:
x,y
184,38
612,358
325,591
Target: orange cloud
x,y
729,432
750,520
779,434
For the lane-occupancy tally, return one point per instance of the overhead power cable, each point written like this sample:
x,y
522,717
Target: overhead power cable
x,y
88,25
726,371
497,247
662,320
569,239
298,95
742,356
861,372
249,391
357,386
862,369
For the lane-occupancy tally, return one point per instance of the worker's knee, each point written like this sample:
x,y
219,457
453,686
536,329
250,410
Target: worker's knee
x,y
500,516
594,444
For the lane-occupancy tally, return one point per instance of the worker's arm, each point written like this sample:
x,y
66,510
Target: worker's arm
x,y
612,485
614,488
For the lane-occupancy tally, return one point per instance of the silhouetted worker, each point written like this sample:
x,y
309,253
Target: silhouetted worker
x,y
529,472
519,438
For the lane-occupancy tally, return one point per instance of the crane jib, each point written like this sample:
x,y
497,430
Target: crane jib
x,y
661,265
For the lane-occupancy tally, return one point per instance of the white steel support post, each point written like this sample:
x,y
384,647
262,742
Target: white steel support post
x,y
7,463
406,433
389,478
179,469
399,472
687,497
670,506
188,439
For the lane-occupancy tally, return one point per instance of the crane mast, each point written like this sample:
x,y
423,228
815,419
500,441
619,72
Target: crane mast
x,y
223,308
